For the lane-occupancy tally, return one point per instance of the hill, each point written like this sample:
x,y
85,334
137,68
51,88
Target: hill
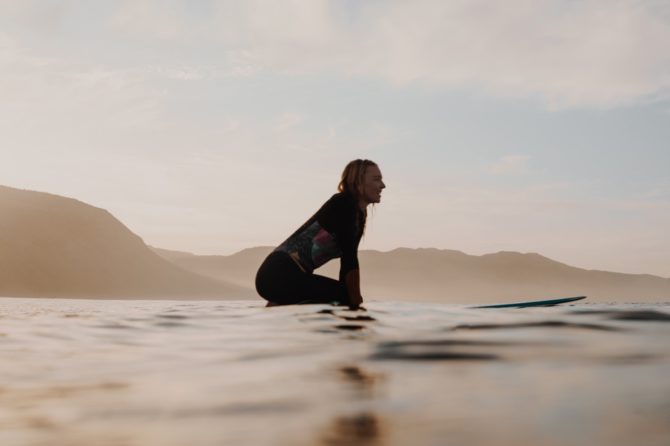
x,y
433,275
52,246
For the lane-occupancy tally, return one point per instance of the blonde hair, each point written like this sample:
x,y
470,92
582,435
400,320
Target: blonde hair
x,y
353,177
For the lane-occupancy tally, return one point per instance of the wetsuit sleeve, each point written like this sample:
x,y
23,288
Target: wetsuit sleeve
x,y
343,215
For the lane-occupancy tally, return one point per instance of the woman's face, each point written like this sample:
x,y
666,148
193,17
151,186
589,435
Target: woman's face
x,y
372,185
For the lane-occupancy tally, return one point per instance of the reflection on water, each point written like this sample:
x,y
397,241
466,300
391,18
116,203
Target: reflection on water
x,y
445,349
364,384
630,315
537,324
138,373
356,430
352,327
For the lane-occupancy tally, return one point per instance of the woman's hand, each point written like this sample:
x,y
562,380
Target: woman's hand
x,y
355,303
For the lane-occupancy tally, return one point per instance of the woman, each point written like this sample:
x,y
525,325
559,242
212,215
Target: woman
x,y
286,276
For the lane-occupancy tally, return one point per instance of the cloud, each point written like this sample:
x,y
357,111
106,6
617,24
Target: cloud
x,y
592,53
44,19
288,121
151,18
510,164
184,73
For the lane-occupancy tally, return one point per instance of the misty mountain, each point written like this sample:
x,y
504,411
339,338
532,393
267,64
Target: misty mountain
x,y
434,275
52,246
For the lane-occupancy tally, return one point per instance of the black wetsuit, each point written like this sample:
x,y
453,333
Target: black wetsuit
x,y
286,276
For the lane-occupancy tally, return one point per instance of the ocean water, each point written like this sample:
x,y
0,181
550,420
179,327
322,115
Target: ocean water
x,y
142,373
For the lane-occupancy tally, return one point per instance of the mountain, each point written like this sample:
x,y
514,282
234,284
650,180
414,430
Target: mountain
x,y
52,246
433,275
239,268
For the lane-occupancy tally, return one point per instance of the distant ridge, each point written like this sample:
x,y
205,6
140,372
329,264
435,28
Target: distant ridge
x,y
52,246
435,275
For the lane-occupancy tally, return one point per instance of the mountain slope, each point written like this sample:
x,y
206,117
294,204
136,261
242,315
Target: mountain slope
x,y
52,246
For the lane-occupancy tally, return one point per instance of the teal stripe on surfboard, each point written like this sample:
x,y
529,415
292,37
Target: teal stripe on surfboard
x,y
535,303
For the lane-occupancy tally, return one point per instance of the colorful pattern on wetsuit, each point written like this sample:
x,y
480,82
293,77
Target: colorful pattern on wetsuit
x,y
314,246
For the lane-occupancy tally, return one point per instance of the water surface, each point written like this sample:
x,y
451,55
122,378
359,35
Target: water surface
x,y
138,373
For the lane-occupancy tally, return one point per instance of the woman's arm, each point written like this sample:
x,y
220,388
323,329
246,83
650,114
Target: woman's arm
x,y
341,216
353,283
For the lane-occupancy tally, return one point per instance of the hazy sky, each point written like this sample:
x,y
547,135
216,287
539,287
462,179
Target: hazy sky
x,y
212,126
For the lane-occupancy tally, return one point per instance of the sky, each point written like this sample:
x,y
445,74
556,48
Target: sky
x,y
213,126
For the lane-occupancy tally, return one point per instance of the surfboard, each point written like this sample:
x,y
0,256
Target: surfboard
x,y
535,303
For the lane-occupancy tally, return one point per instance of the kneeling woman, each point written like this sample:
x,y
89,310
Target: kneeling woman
x,y
287,274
